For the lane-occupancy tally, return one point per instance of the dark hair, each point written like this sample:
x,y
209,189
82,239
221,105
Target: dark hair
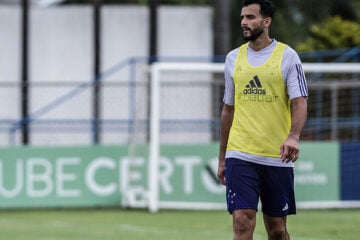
x,y
267,8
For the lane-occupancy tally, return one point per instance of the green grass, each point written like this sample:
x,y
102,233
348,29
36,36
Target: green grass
x,y
107,224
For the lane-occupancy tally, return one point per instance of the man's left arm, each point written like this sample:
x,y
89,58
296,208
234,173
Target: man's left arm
x,y
289,151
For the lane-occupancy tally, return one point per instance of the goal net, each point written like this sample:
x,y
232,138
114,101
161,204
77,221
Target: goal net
x,y
185,105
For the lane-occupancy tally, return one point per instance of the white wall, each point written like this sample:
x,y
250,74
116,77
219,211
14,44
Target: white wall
x,y
61,53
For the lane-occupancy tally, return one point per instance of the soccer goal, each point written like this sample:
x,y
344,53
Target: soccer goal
x,y
186,100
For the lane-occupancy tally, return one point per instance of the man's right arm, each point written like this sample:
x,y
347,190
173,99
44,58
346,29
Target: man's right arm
x,y
227,115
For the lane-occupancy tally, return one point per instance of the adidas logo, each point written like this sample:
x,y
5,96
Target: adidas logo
x,y
286,207
254,92
254,87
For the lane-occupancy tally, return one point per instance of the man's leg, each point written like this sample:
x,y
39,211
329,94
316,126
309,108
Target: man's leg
x,y
244,221
278,201
276,227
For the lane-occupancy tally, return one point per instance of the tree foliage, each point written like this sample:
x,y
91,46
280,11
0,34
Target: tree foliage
x,y
333,33
294,19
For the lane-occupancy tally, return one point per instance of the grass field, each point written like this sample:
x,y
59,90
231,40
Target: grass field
x,y
106,224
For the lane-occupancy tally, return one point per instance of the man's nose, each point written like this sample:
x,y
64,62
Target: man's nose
x,y
244,22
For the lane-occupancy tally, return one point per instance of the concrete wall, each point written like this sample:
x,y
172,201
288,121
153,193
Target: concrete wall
x,y
61,58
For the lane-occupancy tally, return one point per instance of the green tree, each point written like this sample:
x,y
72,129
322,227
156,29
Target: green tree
x,y
334,33
294,18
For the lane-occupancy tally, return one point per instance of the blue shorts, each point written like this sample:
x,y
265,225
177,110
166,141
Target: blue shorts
x,y
246,182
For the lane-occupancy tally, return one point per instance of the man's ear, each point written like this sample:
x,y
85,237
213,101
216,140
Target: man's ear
x,y
267,22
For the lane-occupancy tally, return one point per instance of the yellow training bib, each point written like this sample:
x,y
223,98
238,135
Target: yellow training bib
x,y
262,107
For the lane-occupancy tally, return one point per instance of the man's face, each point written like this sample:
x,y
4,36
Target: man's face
x,y
252,23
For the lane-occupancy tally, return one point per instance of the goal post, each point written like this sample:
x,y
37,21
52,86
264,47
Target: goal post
x,y
154,153
328,82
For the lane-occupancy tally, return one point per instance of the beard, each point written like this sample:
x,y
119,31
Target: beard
x,y
254,34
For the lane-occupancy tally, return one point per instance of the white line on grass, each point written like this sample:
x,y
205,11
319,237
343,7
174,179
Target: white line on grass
x,y
157,230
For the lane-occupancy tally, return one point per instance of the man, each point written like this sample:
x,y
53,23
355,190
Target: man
x,y
264,111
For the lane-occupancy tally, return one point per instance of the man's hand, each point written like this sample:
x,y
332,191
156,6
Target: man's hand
x,y
289,151
221,172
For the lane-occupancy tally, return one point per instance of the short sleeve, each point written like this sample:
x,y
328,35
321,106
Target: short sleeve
x,y
293,74
229,77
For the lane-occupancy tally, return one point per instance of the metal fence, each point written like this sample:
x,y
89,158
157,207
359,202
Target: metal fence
x,y
333,106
